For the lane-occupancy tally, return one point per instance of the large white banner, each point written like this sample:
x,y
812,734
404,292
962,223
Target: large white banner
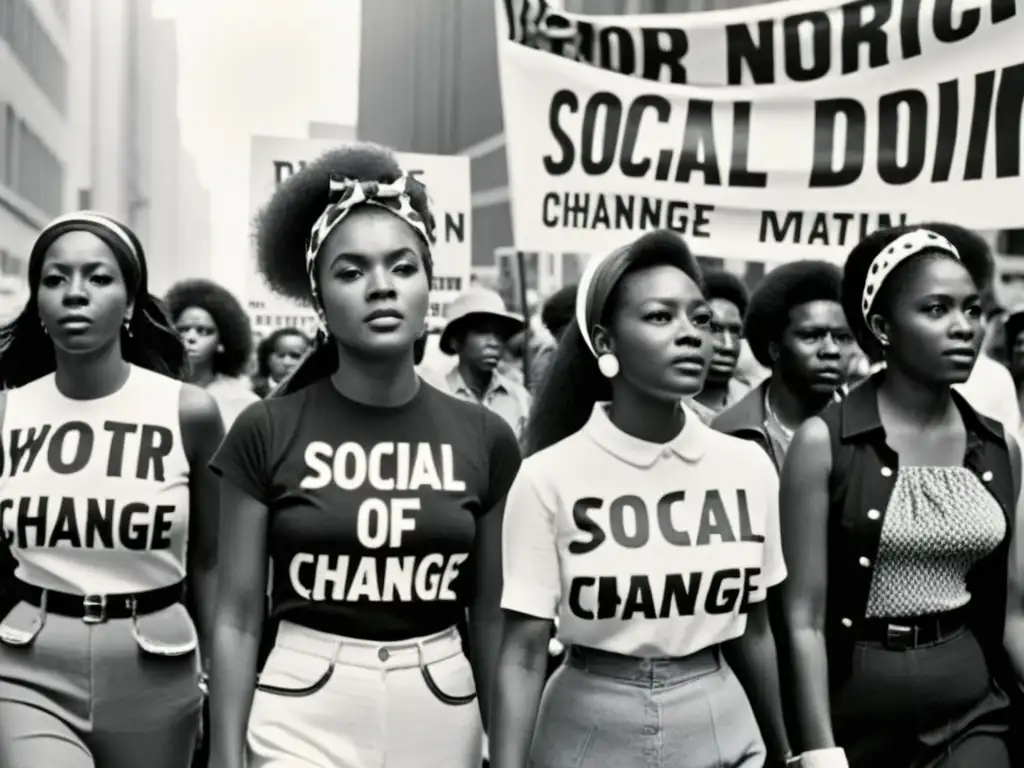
x,y
274,159
780,131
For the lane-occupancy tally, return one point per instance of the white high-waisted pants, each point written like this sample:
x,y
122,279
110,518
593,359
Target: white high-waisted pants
x,y
334,702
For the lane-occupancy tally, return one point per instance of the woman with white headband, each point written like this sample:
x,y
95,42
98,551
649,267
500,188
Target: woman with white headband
x,y
650,538
900,510
108,510
378,498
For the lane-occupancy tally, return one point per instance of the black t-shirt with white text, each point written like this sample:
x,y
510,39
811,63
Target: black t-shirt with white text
x,y
373,511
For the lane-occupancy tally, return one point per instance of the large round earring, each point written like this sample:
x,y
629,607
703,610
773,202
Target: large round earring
x,y
608,364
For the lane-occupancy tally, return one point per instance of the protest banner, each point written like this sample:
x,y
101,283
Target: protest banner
x,y
780,131
274,159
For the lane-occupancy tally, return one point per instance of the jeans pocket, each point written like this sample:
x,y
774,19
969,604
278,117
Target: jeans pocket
x,y
451,680
291,673
167,633
22,625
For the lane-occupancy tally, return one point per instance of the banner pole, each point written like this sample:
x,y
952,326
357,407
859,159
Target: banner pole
x,y
521,269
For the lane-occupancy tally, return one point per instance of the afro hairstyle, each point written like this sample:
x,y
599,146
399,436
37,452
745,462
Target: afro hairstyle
x,y
719,284
559,309
1013,328
785,287
284,224
975,256
232,322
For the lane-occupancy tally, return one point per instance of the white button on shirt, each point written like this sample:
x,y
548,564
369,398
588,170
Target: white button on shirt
x,y
639,548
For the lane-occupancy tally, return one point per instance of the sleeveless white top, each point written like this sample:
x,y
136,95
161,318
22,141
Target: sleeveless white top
x,y
94,494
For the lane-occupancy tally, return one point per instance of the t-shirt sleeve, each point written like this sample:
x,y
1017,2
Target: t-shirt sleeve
x,y
243,457
503,459
531,577
773,568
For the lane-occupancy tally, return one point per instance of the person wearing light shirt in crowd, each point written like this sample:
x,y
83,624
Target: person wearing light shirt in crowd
x,y
651,538
478,329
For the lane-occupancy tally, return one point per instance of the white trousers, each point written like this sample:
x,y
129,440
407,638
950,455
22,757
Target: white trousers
x,y
326,701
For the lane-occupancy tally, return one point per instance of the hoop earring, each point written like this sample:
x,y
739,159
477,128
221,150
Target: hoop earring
x,y
43,326
127,328
608,364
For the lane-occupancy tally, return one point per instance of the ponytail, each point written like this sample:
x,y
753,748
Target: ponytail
x,y
572,385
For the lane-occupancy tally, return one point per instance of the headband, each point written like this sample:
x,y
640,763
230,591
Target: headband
x,y
583,298
899,250
345,195
98,220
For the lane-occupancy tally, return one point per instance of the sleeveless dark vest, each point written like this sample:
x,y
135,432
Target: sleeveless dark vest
x,y
864,470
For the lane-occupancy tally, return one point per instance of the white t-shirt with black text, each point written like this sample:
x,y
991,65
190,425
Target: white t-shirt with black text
x,y
643,549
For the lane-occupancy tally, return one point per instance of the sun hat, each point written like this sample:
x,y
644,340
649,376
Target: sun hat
x,y
478,304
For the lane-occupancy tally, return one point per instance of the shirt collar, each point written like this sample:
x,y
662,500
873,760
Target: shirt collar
x,y
860,411
457,384
689,445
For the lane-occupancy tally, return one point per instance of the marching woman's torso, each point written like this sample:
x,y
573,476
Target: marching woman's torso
x,y
94,494
643,549
373,511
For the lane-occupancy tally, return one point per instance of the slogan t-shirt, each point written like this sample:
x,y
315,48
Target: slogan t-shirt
x,y
643,549
373,511
94,494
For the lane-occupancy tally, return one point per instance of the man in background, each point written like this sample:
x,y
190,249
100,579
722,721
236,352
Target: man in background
x,y
478,330
728,297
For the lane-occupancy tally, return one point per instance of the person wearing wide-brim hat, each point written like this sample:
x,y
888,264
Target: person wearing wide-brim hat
x,y
479,326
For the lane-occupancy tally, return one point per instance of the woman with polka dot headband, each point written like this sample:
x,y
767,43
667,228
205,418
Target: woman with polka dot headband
x,y
899,508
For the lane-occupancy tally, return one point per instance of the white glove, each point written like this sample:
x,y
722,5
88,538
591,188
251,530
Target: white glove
x,y
833,757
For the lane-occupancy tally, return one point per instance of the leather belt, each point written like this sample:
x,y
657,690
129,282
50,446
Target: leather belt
x,y
96,609
914,631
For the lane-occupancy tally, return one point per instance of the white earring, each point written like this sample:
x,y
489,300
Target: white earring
x,y
608,364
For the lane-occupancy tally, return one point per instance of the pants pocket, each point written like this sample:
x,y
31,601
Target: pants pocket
x,y
169,632
451,680
22,625
291,673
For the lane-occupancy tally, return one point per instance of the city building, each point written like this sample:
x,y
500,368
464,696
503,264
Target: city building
x,y
429,83
127,156
34,132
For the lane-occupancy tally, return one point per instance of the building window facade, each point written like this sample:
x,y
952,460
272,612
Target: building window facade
x,y
31,45
27,166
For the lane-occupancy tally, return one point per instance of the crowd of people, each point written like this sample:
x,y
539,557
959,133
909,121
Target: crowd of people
x,y
703,526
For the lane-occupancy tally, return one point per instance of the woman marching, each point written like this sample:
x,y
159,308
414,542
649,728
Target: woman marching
x,y
899,509
104,489
650,538
218,342
378,497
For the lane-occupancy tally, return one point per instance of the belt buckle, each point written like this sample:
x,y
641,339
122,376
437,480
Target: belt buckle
x,y
94,609
900,636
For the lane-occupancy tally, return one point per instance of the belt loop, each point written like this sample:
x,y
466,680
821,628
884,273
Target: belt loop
x,y
421,655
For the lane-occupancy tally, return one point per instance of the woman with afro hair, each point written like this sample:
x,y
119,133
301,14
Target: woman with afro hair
x,y
218,342
900,520
108,513
623,484
378,498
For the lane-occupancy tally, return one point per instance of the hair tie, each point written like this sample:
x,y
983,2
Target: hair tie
x,y
898,251
345,195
